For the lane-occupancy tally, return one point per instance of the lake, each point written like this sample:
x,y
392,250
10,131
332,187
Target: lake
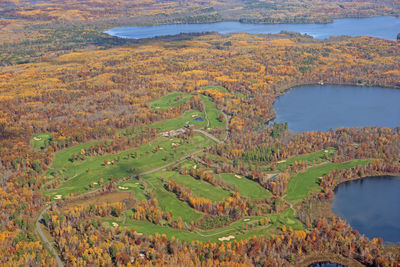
x,y
321,107
371,205
382,27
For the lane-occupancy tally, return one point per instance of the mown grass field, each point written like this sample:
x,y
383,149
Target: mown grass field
x,y
246,187
168,201
318,157
38,140
180,122
83,173
237,229
199,188
303,183
212,113
170,100
135,186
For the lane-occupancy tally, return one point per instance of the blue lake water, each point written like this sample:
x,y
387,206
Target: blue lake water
x,y
319,108
382,27
371,205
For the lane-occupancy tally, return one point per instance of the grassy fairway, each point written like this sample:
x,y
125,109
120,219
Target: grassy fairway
x,y
133,185
38,140
317,156
168,200
82,173
237,229
246,187
170,100
212,113
180,122
303,183
199,188
187,118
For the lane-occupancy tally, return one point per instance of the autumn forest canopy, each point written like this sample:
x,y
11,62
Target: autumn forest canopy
x,y
160,151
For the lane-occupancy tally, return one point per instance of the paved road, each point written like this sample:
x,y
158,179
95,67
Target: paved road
x,y
208,135
226,125
42,235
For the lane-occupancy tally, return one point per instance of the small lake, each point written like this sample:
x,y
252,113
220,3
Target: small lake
x,y
321,107
382,27
371,205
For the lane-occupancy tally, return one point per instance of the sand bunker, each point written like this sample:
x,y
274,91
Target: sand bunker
x,y
115,224
122,187
282,161
226,238
37,138
326,151
195,166
246,220
58,197
238,176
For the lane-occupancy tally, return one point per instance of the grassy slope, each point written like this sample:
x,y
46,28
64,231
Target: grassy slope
x,y
147,159
180,122
246,187
39,144
168,200
236,229
133,185
212,113
170,101
199,188
84,173
303,183
317,156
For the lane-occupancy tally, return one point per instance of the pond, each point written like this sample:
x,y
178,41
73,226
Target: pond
x,y
371,205
382,27
198,119
319,108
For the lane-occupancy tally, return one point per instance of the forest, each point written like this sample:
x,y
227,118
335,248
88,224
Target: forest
x,y
158,151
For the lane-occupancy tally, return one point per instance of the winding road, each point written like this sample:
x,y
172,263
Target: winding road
x,y
44,238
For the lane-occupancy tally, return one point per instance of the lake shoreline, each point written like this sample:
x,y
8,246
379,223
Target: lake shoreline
x,y
384,175
383,27
327,257
311,109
